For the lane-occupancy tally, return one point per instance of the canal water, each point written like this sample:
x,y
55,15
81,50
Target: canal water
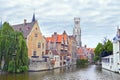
x,y
91,72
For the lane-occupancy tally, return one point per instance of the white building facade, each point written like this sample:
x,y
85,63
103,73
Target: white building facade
x,y
112,62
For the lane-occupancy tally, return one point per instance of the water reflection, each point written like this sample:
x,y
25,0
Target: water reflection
x,y
91,72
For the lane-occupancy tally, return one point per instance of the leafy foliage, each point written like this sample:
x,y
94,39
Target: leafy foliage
x,y
13,48
81,62
103,50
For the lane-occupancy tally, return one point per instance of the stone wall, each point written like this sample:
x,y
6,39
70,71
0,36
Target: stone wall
x,y
38,65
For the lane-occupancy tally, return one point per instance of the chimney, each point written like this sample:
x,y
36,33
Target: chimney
x,y
25,21
64,32
55,33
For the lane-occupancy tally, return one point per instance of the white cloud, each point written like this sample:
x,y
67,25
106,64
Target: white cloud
x,y
98,17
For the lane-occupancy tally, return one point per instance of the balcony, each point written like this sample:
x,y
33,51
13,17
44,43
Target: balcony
x,y
34,56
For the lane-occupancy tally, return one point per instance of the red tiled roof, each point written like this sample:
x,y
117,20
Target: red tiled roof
x,y
48,39
59,38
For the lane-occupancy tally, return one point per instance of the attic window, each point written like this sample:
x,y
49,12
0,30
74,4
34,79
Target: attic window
x,y
36,35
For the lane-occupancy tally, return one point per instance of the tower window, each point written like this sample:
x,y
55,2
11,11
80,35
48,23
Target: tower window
x,y
34,53
77,22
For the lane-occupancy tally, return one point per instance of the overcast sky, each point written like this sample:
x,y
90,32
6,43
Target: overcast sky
x,y
99,18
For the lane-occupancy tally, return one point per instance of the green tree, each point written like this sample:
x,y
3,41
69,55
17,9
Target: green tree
x,y
109,47
81,62
103,50
13,48
98,50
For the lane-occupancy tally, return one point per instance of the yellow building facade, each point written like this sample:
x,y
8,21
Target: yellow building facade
x,y
35,41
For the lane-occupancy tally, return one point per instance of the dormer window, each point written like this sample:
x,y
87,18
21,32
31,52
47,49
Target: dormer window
x,y
36,35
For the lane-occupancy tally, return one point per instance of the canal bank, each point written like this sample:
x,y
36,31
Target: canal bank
x,y
91,72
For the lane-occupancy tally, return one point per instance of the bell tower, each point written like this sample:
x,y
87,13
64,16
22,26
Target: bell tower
x,y
77,31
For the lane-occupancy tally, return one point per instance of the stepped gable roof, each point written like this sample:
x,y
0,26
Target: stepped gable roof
x,y
25,28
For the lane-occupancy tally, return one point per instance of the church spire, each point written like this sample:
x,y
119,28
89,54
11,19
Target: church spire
x,y
33,19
